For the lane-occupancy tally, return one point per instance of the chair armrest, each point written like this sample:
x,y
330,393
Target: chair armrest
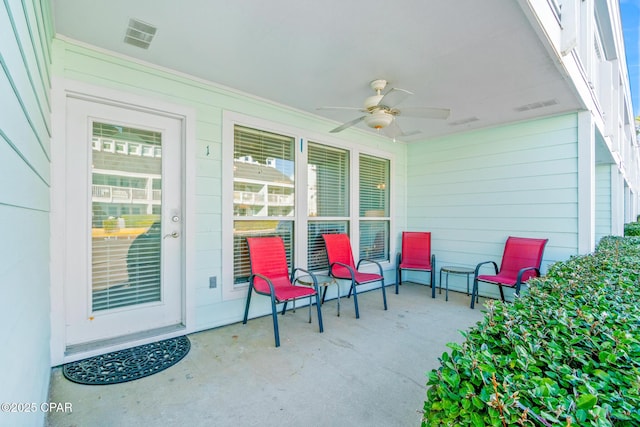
x,y
353,275
313,276
263,277
372,262
495,266
433,262
522,271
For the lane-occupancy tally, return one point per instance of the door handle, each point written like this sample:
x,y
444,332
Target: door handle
x,y
175,235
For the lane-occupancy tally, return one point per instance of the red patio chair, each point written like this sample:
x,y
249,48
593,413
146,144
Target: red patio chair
x,y
270,276
520,261
342,266
416,255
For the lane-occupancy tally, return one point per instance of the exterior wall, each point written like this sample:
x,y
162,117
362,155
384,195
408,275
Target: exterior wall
x,y
585,38
603,201
473,190
79,63
25,34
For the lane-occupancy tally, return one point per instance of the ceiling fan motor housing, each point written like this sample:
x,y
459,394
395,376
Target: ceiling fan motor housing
x,y
378,119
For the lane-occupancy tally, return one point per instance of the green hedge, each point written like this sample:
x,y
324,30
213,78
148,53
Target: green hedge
x,y
565,354
632,229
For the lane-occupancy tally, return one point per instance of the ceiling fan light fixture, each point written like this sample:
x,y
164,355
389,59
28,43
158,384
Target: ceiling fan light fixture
x,y
378,119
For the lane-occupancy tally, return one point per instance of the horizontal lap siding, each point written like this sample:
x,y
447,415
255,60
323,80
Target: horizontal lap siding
x,y
25,132
473,190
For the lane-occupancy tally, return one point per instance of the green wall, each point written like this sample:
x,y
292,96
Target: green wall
x,y
25,131
472,190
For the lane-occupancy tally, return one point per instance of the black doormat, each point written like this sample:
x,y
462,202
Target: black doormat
x,y
128,365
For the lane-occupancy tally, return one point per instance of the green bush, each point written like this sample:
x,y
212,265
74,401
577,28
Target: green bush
x,y
632,229
565,354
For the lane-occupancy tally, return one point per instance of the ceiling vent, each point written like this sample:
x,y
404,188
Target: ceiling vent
x,y
139,33
464,121
536,105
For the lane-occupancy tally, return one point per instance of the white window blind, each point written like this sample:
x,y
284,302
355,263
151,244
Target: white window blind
x,y
264,192
316,251
327,199
244,229
374,207
328,181
126,201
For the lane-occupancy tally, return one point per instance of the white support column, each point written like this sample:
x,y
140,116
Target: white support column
x,y
586,183
617,202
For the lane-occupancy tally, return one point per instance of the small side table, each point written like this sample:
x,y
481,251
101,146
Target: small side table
x,y
324,281
454,270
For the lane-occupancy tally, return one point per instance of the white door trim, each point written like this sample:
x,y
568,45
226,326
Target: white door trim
x,y
62,89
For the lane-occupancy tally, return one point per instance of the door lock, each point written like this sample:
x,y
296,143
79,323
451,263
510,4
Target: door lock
x,y
175,235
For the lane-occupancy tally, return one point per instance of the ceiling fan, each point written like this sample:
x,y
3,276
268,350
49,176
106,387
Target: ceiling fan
x,y
381,112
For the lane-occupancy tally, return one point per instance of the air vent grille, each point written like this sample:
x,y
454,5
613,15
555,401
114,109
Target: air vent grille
x,y
536,105
464,121
139,33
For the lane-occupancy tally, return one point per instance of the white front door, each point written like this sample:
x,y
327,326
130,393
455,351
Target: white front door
x,y
124,222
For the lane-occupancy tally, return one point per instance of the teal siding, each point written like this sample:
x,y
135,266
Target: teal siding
x,y
25,132
473,190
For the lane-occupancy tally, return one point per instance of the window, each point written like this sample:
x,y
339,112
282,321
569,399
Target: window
x,y
327,199
263,192
374,207
279,183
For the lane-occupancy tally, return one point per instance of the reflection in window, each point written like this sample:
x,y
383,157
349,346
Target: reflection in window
x,y
327,199
126,202
263,186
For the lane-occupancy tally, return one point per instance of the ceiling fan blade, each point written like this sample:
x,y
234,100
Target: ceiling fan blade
x,y
425,112
394,97
341,108
348,124
394,131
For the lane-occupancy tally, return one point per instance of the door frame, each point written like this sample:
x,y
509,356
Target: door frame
x,y
61,90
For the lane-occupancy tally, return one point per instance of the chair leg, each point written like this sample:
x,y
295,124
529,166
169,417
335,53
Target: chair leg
x,y
274,314
319,312
501,293
433,278
474,292
324,294
284,307
398,278
355,299
433,286
384,295
246,308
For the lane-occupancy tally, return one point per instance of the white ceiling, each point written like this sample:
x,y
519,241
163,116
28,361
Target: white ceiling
x,y
481,59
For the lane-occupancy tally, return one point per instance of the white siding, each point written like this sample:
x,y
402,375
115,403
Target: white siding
x,y
603,201
473,190
25,33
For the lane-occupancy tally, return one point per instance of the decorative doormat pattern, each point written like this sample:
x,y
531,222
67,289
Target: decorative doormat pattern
x,y
128,365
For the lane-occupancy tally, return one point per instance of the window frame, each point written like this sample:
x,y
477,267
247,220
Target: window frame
x,y
300,219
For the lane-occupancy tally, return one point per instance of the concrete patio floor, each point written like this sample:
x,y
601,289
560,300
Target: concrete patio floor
x,y
370,371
